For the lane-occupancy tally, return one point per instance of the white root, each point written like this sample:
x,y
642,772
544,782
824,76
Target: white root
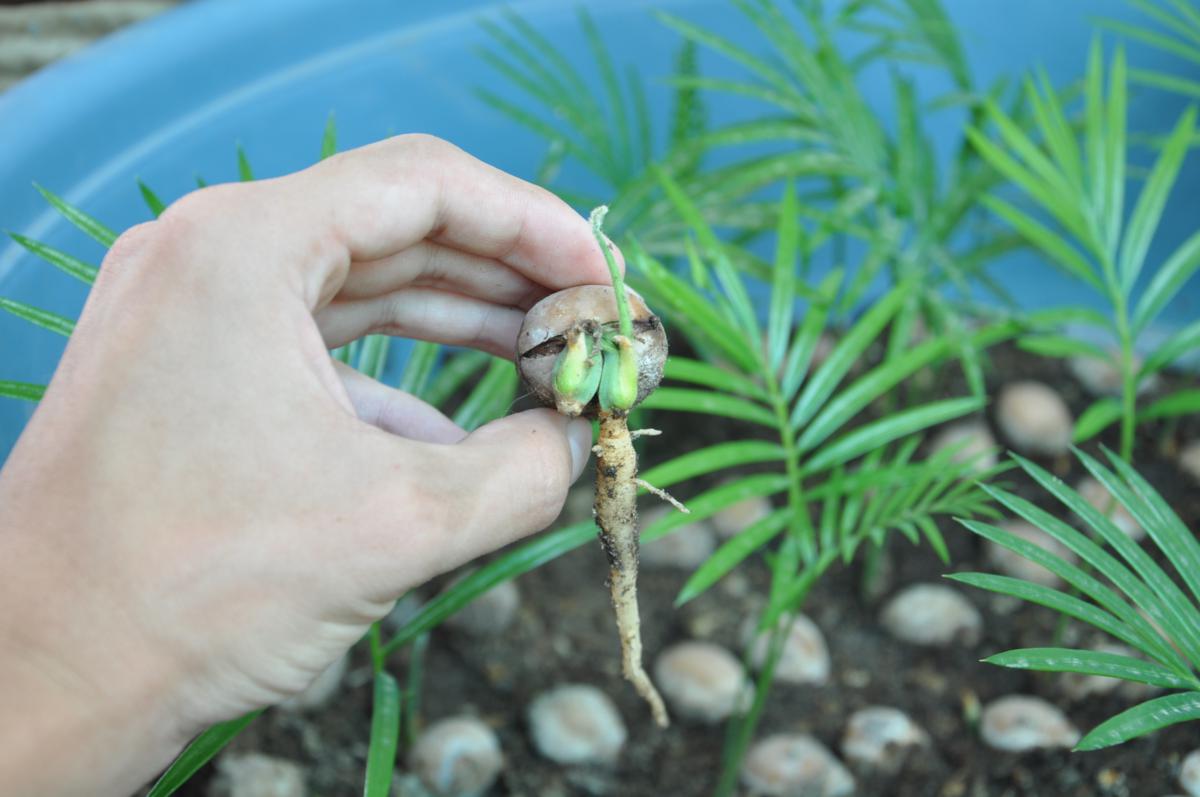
x,y
616,515
663,495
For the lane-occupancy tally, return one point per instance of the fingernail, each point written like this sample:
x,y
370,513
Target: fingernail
x,y
579,434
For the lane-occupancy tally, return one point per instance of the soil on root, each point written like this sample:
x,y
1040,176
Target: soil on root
x,y
565,633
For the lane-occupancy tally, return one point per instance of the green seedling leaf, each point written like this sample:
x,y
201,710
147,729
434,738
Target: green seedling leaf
x,y
422,359
1148,211
456,370
879,433
1061,346
783,285
1058,249
385,736
26,391
1154,592
850,401
156,205
198,753
84,272
698,372
1044,596
491,397
1167,281
1162,524
245,173
1174,347
372,357
808,336
1091,662
732,553
847,352
1062,316
1142,719
711,459
1096,418
105,236
329,138
45,319
509,565
678,298
1183,402
710,403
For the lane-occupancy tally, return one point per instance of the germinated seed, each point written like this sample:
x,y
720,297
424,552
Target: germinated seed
x,y
1018,723
804,658
1034,419
701,681
932,614
257,775
457,757
881,738
576,724
788,765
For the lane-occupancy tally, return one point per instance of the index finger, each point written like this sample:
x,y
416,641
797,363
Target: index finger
x,y
380,199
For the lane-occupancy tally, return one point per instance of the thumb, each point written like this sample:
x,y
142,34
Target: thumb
x,y
455,502
521,467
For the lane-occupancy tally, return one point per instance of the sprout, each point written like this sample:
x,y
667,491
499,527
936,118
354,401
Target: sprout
x,y
598,351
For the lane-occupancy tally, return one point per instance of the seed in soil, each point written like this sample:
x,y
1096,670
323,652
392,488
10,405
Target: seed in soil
x,y
804,658
685,548
972,441
457,757
1018,723
1189,774
257,775
1013,564
597,351
786,765
1189,459
702,681
1034,419
576,724
933,615
881,738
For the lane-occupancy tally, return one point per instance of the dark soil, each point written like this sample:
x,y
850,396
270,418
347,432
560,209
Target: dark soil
x,y
565,633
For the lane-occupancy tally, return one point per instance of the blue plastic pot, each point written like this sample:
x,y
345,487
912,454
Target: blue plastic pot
x,y
168,100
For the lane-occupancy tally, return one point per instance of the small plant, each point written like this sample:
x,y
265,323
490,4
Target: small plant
x,y
1123,592
583,351
1081,186
1176,31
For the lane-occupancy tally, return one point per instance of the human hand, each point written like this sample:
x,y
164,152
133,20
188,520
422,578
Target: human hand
x,y
206,510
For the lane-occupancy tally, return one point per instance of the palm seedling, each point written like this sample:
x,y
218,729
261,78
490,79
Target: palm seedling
x,y
1080,186
1122,592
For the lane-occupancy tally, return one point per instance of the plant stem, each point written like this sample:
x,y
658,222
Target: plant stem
x,y
378,652
412,689
1128,379
741,730
625,323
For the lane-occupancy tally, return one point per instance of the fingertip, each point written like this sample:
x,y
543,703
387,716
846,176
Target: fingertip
x,y
579,435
